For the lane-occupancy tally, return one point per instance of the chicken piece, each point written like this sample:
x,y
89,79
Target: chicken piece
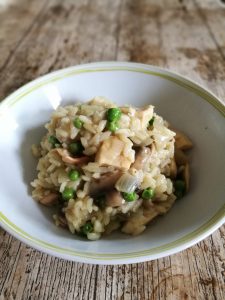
x,y
67,158
141,159
182,142
145,116
114,198
111,153
173,168
180,157
49,199
105,182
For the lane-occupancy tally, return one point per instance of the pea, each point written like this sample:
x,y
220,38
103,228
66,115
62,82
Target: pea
x,y
73,175
87,228
179,186
150,122
112,126
78,123
68,194
148,194
54,141
129,197
113,114
76,148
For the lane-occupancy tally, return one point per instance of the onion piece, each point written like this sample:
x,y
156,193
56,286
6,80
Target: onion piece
x,y
127,183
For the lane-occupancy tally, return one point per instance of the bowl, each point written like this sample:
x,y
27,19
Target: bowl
x,y
185,104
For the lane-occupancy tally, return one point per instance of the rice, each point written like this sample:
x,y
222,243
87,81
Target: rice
x,y
83,184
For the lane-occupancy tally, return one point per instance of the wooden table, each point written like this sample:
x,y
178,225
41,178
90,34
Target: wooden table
x,y
39,36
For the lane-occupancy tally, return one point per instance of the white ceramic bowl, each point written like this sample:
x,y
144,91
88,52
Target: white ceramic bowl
x,y
183,103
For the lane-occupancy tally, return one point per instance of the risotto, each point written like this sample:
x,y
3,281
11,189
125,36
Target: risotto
x,y
106,167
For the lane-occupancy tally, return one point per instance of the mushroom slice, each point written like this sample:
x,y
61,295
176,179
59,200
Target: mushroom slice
x,y
49,199
173,168
141,158
182,141
180,157
105,182
186,176
114,198
67,158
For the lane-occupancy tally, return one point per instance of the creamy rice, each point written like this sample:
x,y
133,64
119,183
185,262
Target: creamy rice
x,y
137,148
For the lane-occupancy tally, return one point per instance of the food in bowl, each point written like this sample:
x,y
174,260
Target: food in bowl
x,y
106,167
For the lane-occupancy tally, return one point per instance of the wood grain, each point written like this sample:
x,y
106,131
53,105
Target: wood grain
x,y
40,36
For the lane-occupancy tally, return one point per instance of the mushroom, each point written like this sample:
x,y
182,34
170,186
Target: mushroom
x,y
67,158
62,221
180,157
173,168
49,199
114,198
182,141
105,182
142,156
186,176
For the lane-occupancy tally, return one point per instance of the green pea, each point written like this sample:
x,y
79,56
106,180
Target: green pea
x,y
150,122
112,126
129,197
73,175
78,123
68,193
113,114
76,148
87,228
148,194
54,141
179,186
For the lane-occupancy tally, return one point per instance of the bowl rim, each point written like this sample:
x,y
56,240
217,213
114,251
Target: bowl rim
x,y
119,258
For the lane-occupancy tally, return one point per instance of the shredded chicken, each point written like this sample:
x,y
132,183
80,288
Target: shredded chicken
x,y
111,153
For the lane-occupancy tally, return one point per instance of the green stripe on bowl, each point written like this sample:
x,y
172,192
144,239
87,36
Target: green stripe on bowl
x,y
101,256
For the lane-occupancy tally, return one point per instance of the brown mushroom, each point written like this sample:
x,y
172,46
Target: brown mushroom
x,y
105,182
182,141
186,176
114,198
62,221
49,199
180,157
67,158
142,156
173,168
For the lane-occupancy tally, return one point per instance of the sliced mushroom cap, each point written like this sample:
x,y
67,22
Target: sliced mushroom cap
x,y
114,198
186,175
62,221
142,157
49,199
105,182
180,157
67,158
182,141
173,168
